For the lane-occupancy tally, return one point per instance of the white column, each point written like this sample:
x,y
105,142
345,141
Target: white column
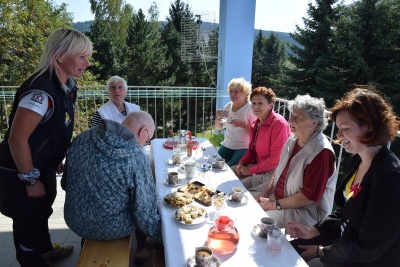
x,y
235,44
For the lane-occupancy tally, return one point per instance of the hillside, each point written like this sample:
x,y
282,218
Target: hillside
x,y
284,36
83,26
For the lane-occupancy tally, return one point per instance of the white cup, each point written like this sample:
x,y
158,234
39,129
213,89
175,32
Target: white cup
x,y
190,169
172,178
267,224
219,163
204,256
237,194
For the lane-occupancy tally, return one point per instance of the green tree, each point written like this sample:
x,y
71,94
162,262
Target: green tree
x,y
145,57
24,28
109,33
311,57
367,44
268,58
257,71
179,71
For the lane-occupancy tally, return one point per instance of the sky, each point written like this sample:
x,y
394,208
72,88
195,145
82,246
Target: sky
x,y
273,15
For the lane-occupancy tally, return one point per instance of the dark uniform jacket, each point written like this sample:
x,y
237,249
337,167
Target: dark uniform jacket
x,y
372,235
48,144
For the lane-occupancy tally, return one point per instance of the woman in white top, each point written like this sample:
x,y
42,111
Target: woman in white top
x,y
116,108
238,125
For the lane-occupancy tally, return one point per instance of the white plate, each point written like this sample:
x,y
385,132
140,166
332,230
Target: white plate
x,y
257,231
180,182
197,220
177,206
245,199
191,262
223,120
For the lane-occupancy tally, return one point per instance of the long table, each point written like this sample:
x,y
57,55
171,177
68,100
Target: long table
x,y
180,240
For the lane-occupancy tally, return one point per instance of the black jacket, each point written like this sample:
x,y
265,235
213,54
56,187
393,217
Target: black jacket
x,y
48,143
372,234
51,138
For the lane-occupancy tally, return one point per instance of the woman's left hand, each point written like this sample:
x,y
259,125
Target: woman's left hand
x,y
245,170
309,253
267,204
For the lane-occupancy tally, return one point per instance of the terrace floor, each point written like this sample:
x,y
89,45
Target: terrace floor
x,y
60,233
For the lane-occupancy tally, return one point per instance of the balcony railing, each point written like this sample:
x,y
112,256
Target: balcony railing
x,y
191,108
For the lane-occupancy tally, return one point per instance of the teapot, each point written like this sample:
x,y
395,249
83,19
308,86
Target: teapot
x,y
223,236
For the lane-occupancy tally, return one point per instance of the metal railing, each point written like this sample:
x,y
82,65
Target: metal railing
x,y
191,108
175,108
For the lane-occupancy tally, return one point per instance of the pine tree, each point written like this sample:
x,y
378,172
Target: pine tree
x,y
268,58
108,34
311,56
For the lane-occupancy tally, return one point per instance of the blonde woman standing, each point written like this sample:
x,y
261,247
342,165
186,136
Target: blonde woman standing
x,y
41,126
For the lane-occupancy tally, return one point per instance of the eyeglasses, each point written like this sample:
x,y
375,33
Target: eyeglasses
x,y
148,139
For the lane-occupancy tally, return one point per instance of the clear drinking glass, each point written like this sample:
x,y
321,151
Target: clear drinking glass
x,y
204,168
275,240
218,202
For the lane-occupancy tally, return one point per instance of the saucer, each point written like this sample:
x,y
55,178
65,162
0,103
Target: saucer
x,y
226,167
244,200
171,162
191,262
224,120
179,183
257,231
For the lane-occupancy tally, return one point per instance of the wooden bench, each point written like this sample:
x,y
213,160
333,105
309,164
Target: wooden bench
x,y
105,253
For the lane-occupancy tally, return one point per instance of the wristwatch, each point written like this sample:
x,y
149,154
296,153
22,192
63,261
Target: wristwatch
x,y
32,181
278,205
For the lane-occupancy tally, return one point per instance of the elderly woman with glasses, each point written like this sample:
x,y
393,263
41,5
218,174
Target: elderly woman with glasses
x,y
116,109
269,133
304,182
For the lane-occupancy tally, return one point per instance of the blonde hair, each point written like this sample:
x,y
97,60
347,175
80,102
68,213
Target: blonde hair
x,y
62,42
242,84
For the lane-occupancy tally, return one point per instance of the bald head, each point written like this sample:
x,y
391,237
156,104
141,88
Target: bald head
x,y
141,124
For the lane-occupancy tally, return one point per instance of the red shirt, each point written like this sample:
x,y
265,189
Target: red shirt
x,y
316,175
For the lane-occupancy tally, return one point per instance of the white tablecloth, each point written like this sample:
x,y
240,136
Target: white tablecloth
x,y
181,240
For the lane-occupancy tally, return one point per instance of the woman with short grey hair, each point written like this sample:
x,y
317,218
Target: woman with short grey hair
x,y
304,182
116,109
315,108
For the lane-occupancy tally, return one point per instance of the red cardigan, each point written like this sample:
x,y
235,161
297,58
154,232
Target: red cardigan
x,y
270,139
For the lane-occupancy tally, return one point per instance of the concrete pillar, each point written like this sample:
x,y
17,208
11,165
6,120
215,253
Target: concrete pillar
x,y
235,44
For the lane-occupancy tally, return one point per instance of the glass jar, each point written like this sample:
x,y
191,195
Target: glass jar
x,y
223,236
